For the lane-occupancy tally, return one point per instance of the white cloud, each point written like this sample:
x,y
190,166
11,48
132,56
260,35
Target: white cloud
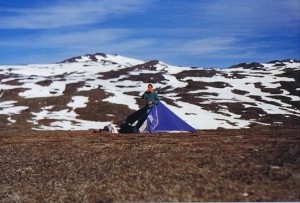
x,y
71,39
253,15
68,13
83,37
112,40
208,45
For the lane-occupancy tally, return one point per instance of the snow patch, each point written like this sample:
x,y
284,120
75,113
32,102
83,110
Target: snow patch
x,y
78,102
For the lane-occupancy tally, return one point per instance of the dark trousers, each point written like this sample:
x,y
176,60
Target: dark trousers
x,y
140,116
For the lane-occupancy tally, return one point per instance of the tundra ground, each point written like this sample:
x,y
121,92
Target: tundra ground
x,y
256,164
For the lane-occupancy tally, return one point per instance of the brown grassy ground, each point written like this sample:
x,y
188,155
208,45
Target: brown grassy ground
x,y
259,164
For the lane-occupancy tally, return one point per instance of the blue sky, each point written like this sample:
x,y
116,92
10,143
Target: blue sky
x,y
202,33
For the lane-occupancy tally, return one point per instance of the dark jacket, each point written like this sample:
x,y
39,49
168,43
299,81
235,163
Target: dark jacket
x,y
150,96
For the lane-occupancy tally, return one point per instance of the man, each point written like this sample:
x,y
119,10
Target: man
x,y
150,97
134,122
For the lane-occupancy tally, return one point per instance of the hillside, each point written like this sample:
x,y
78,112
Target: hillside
x,y
93,90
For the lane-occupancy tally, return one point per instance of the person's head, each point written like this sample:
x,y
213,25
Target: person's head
x,y
150,87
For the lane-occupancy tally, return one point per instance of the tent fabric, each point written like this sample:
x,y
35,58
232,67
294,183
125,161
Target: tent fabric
x,y
157,119
162,119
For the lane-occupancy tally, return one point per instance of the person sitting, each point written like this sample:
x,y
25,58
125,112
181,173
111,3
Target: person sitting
x,y
134,122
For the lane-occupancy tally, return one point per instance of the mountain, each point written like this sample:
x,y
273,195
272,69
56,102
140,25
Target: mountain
x,y
93,90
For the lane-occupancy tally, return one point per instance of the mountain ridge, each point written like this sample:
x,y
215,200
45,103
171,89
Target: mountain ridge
x,y
93,57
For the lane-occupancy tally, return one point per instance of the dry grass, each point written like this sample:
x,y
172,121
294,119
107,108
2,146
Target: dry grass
x,y
223,165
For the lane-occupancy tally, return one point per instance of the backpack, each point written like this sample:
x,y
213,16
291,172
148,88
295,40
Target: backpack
x,y
110,128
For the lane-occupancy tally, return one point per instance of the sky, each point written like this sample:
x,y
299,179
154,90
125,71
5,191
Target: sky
x,y
197,33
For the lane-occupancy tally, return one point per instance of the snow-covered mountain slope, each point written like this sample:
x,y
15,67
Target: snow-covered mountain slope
x,y
93,90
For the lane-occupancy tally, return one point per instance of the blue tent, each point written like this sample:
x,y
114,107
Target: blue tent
x,y
157,119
